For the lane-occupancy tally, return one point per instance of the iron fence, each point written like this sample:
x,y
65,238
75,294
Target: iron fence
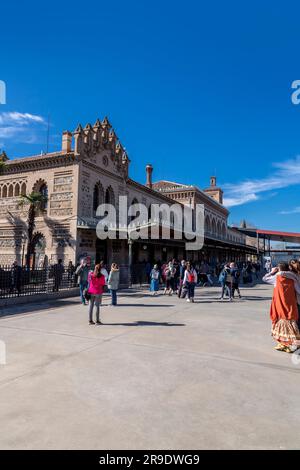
x,y
21,281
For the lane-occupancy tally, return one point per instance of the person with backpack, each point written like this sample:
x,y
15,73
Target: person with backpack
x,y
113,282
190,281
154,280
225,280
235,273
96,283
82,273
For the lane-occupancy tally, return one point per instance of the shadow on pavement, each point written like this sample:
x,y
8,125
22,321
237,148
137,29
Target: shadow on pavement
x,y
36,306
145,323
145,305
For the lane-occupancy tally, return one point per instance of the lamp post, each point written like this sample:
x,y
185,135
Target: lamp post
x,y
130,243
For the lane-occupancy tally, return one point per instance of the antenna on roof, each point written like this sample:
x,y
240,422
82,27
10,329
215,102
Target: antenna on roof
x,y
48,132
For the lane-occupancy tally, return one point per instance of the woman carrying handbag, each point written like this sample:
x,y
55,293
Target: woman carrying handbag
x,y
96,282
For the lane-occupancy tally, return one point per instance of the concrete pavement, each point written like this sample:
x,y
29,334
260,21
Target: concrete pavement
x,y
159,374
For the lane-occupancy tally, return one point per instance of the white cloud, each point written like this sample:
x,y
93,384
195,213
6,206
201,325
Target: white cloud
x,y
287,173
296,210
22,127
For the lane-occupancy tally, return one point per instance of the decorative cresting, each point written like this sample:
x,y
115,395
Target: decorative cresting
x,y
91,140
3,157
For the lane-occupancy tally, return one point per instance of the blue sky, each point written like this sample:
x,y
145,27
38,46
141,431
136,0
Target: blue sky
x,y
193,88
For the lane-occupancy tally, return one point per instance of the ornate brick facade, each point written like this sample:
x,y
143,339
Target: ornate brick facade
x,y
76,181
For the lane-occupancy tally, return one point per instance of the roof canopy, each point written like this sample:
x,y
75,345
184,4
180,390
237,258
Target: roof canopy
x,y
274,235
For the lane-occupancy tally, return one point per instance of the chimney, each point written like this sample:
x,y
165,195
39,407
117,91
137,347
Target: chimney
x,y
149,169
67,141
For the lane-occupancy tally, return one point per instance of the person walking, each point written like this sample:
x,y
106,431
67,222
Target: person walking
x,y
235,274
181,277
154,280
113,282
284,311
176,276
225,280
294,273
82,273
169,276
190,281
96,282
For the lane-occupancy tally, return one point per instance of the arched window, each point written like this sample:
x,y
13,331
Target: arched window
x,y
44,191
98,196
23,189
207,224
95,198
110,196
17,190
213,227
132,217
4,191
10,191
223,230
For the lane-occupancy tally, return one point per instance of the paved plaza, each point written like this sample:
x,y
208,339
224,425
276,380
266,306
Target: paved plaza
x,y
159,374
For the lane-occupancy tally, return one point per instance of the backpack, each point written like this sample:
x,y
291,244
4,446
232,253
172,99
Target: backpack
x,y
154,274
168,274
223,276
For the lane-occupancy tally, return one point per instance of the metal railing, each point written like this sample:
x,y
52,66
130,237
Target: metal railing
x,y
21,281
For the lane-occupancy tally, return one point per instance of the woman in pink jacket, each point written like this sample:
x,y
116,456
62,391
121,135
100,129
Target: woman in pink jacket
x,y
96,282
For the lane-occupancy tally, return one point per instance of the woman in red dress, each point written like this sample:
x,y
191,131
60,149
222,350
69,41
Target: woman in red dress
x,y
284,310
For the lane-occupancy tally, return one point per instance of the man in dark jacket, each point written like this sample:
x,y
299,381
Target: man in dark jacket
x,y
181,276
82,272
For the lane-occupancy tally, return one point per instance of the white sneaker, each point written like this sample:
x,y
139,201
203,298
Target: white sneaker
x,y
188,300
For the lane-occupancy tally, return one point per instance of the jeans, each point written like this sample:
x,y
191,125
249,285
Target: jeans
x,y
226,289
190,289
113,296
95,300
180,287
235,287
83,285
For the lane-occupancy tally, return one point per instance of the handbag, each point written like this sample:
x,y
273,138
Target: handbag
x,y
86,294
